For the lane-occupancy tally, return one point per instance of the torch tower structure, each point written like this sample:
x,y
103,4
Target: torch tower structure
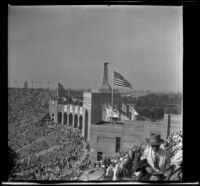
x,y
105,86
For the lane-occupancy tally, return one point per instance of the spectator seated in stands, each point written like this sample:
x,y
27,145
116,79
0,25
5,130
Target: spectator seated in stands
x,y
157,159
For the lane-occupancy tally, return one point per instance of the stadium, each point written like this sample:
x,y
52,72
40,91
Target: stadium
x,y
84,134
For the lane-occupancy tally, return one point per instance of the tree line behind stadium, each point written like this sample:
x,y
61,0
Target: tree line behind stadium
x,y
154,105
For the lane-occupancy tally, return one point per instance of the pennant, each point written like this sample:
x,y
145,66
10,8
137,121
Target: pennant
x,y
124,109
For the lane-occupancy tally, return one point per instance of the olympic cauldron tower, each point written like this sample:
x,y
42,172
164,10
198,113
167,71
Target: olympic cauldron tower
x,y
105,86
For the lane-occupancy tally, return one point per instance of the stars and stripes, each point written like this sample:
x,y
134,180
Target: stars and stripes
x,y
119,80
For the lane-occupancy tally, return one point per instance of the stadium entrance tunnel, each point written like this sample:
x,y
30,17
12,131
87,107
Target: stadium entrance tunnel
x,y
75,121
65,118
59,117
80,122
70,119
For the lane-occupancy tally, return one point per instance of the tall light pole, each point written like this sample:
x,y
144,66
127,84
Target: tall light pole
x,y
48,84
32,84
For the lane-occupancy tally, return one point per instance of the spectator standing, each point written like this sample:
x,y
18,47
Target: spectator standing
x,y
110,172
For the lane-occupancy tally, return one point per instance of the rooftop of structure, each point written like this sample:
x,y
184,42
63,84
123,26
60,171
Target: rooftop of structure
x,y
127,123
109,123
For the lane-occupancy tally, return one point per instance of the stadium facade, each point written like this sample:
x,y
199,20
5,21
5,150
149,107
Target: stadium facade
x,y
90,118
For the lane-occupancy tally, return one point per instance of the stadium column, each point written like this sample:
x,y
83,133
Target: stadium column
x,y
78,115
86,124
73,115
83,124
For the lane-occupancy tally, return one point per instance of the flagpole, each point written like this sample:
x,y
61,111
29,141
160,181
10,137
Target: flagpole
x,y
57,91
68,92
57,103
112,96
68,96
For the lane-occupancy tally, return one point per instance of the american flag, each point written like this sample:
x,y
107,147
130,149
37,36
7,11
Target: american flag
x,y
119,80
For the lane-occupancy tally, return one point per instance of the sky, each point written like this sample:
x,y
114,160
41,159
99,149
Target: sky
x,y
69,44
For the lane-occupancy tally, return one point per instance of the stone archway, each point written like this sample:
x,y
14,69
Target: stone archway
x,y
70,119
65,119
80,122
75,121
59,117
86,125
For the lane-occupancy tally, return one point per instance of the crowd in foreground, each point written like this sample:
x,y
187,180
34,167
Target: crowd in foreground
x,y
71,160
139,163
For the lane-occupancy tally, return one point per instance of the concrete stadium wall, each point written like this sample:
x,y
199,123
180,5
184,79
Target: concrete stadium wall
x,y
131,133
53,110
103,139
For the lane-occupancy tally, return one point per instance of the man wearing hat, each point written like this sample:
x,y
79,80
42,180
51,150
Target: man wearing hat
x,y
157,158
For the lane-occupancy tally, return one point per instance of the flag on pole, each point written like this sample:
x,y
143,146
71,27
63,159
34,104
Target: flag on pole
x,y
75,99
119,80
124,109
132,109
133,112
111,112
61,91
105,116
80,100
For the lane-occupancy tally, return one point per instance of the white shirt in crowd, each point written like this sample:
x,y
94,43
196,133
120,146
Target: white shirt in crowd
x,y
163,159
115,169
177,158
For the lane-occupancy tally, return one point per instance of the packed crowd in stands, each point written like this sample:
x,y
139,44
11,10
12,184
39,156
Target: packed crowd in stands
x,y
71,158
25,110
59,137
31,105
30,134
55,164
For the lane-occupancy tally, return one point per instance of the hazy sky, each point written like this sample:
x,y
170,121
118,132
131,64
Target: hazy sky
x,y
69,44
